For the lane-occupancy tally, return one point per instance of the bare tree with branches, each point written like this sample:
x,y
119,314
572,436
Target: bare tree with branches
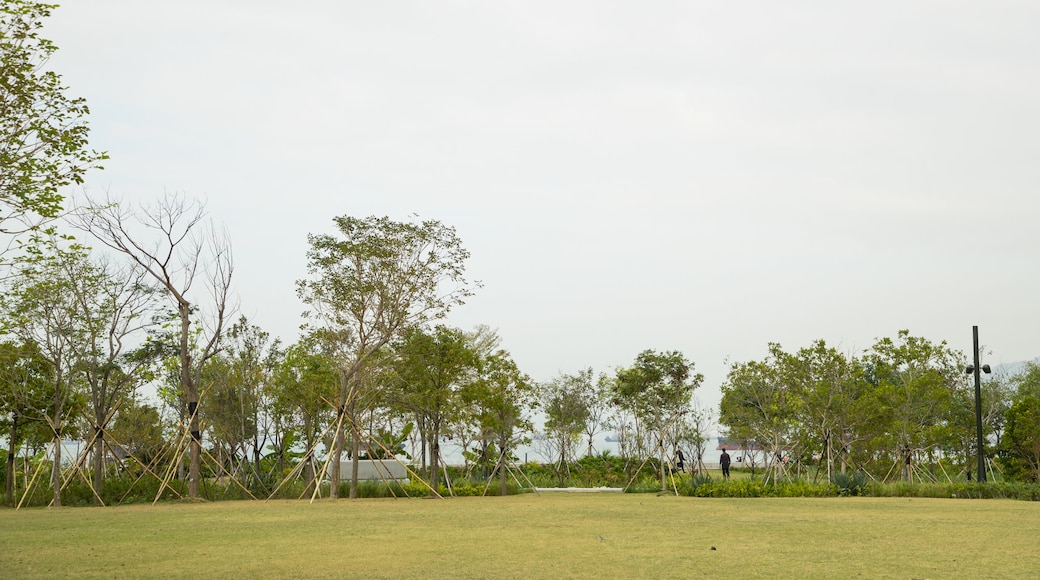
x,y
174,242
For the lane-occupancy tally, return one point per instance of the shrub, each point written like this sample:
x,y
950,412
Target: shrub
x,y
704,486
959,490
850,484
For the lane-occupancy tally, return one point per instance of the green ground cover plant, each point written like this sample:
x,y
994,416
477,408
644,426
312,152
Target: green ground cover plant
x,y
556,535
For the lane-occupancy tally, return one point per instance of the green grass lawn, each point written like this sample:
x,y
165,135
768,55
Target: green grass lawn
x,y
529,536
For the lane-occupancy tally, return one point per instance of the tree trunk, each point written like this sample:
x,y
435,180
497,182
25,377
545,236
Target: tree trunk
x,y
9,479
99,465
830,461
56,470
422,453
660,450
340,441
435,455
308,466
503,467
308,474
191,396
355,447
59,407
337,454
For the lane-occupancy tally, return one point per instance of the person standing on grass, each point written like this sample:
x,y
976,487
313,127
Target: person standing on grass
x,y
724,461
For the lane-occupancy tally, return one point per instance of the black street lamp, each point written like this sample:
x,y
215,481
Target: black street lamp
x,y
975,368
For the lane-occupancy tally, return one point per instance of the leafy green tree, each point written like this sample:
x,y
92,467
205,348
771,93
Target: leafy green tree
x,y
25,377
1019,450
40,307
138,430
836,403
366,287
303,386
465,426
502,397
431,368
997,396
915,385
228,415
598,403
43,132
761,403
692,433
113,308
1026,382
657,388
238,414
566,402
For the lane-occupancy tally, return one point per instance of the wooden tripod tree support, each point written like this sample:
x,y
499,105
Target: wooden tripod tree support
x,y
660,436
510,467
32,481
181,449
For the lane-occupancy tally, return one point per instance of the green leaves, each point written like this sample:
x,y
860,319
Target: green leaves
x,y
905,392
1020,446
656,385
43,134
378,277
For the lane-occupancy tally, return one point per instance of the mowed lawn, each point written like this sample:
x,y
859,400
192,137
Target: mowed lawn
x,y
560,535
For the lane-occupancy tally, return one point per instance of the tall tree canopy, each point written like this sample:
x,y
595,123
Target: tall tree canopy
x,y
657,388
43,132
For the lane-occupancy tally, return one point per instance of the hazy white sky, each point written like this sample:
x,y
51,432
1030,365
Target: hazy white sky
x,y
700,176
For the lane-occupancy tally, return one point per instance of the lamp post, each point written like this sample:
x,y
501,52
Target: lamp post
x,y
976,369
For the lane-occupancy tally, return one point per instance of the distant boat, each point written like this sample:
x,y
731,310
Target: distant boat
x,y
611,439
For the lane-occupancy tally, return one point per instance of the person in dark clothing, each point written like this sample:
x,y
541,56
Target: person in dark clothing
x,y
724,461
679,459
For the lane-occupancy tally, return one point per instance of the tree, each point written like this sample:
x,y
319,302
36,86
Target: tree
x,y
238,377
368,285
43,132
304,382
565,400
228,414
113,307
835,405
431,369
41,308
761,404
1020,447
169,242
137,429
1027,380
25,377
915,385
598,402
692,432
89,314
657,388
502,397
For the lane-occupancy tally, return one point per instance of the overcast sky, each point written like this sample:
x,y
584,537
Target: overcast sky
x,y
706,177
